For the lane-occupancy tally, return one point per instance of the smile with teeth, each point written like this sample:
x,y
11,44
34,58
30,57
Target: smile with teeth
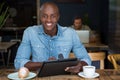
x,y
49,24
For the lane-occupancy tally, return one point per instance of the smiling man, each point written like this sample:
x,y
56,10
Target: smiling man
x,y
46,41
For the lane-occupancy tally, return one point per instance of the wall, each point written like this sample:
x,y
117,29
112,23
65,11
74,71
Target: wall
x,y
114,26
97,11
26,10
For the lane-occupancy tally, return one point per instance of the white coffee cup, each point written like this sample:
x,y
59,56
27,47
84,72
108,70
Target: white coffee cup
x,y
89,71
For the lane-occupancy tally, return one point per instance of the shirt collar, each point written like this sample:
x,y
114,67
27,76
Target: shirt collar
x,y
59,33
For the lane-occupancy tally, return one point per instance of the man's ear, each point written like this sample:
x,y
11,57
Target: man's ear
x,y
58,17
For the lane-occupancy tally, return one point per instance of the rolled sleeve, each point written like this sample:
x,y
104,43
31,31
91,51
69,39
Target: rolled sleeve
x,y
23,56
20,63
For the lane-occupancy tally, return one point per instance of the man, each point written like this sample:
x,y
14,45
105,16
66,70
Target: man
x,y
46,41
78,24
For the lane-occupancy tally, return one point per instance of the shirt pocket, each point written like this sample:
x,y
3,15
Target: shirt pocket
x,y
39,52
38,48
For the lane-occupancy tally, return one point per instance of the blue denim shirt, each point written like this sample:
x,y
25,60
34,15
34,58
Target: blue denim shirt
x,y
41,46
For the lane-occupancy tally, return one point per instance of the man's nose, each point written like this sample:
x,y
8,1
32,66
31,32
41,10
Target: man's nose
x,y
49,19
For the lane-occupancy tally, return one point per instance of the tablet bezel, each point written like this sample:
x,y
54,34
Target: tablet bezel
x,y
56,67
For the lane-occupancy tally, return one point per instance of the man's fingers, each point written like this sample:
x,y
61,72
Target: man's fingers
x,y
72,69
67,68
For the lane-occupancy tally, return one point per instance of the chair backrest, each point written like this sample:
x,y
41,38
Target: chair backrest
x,y
98,56
113,58
95,56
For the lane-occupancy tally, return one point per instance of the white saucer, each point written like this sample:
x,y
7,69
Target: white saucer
x,y
14,76
82,75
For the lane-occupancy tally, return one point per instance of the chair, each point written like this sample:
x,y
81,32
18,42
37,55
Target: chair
x,y
95,56
98,56
114,58
2,58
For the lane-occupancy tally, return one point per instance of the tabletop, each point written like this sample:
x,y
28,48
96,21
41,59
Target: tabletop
x,y
4,46
106,74
96,47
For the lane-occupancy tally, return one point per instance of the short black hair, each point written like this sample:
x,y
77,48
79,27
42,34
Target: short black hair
x,y
77,17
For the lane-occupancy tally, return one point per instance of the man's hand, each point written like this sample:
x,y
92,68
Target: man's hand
x,y
73,69
52,58
77,68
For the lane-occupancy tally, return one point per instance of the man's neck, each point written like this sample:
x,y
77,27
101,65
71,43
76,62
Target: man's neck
x,y
52,32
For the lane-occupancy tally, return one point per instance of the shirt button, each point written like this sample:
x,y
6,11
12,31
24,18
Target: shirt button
x,y
65,49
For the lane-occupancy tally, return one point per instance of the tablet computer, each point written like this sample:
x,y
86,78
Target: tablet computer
x,y
56,67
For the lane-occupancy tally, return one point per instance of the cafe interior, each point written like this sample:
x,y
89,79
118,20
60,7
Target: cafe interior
x,y
102,16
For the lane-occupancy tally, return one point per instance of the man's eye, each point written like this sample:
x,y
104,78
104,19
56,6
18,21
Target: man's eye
x,y
53,16
44,16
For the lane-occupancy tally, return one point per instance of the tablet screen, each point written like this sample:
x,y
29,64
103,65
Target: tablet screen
x,y
57,67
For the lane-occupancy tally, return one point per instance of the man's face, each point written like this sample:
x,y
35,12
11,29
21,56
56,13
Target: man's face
x,y
77,23
49,17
